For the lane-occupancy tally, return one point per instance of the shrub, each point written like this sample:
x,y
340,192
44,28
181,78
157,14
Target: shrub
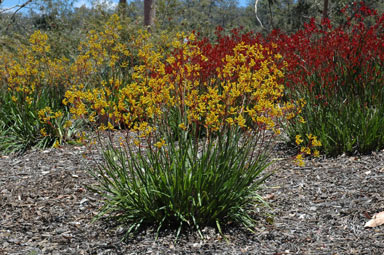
x,y
32,87
339,72
173,176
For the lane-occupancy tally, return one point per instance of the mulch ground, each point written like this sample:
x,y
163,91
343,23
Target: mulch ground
x,y
317,209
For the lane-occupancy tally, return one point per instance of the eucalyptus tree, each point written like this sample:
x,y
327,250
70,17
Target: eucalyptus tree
x,y
149,12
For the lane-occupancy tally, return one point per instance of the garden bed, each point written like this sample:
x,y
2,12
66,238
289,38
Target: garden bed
x,y
317,209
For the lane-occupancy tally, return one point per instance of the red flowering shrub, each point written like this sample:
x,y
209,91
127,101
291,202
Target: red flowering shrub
x,y
340,72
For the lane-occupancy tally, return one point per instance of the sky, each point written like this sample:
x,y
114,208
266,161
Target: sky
x,y
10,3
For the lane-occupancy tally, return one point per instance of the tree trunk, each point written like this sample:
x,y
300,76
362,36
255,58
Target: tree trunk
x,y
122,7
257,17
270,2
325,10
149,13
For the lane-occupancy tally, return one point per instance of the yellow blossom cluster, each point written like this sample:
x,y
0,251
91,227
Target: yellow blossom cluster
x,y
35,80
245,91
136,84
32,69
46,114
310,149
240,95
130,96
102,53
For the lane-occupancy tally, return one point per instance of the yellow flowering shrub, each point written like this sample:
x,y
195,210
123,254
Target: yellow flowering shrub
x,y
33,84
201,121
140,85
243,90
31,69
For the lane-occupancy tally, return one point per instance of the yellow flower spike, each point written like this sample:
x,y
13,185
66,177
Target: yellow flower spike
x,y
240,121
192,37
160,144
298,139
277,131
171,60
290,116
92,142
58,114
56,144
299,160
92,116
301,120
182,126
102,127
43,132
316,143
67,124
316,153
230,121
233,110
110,126
28,100
305,150
136,142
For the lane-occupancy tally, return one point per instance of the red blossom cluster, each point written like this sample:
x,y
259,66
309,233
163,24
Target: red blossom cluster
x,y
321,57
329,58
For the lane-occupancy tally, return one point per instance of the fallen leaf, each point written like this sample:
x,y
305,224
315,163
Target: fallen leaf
x,y
377,220
268,197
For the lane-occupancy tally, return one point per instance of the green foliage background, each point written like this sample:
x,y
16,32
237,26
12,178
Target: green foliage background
x,y
67,25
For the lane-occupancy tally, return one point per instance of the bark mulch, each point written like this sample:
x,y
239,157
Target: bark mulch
x,y
317,209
